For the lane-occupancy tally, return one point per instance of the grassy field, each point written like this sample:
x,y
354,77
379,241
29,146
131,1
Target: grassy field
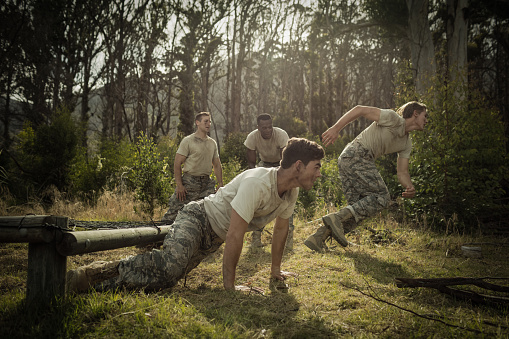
x,y
342,293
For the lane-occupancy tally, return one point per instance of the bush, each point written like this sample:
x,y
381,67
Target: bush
x,y
231,169
149,175
105,170
168,147
327,190
45,154
291,124
458,164
233,149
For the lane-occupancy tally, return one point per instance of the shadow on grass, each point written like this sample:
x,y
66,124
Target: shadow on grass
x,y
20,321
380,270
257,314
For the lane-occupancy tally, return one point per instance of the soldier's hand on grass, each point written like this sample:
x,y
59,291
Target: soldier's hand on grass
x,y
409,192
244,288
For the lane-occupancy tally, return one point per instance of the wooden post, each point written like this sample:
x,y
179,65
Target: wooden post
x,y
46,274
46,269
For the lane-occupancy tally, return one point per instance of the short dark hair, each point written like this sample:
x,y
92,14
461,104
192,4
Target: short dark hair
x,y
408,109
263,116
301,149
200,115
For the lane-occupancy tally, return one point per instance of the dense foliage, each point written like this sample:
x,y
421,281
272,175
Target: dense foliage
x,y
85,95
460,160
45,154
149,175
233,149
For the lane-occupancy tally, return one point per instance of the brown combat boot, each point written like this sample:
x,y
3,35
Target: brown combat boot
x,y
256,239
335,222
316,242
289,240
85,277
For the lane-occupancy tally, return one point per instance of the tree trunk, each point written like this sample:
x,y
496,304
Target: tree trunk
x,y
421,44
457,27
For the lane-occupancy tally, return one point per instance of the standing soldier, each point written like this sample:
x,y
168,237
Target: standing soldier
x,y
269,142
198,153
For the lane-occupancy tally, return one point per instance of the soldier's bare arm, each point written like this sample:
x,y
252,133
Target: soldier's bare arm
x,y
233,248
368,112
218,171
251,158
404,178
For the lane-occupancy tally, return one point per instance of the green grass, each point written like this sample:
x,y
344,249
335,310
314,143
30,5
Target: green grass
x,y
342,293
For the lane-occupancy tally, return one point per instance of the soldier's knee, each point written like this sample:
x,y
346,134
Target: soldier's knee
x,y
384,200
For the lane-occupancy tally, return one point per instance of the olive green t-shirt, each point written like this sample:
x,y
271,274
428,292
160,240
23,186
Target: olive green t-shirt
x,y
387,136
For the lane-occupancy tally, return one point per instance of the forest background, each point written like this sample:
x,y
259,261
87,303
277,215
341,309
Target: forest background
x,y
96,95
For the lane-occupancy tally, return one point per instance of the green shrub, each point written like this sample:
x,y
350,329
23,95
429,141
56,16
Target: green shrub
x,y
326,192
233,149
45,153
291,124
231,169
107,169
149,175
459,160
168,147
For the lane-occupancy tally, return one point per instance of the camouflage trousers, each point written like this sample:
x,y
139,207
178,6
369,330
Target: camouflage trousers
x,y
363,185
197,188
190,240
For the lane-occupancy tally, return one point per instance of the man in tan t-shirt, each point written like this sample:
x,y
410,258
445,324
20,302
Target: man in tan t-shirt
x,y
363,186
198,154
248,202
268,142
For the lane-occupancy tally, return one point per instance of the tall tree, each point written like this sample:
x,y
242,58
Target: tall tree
x,y
15,18
457,28
152,32
421,44
198,44
245,24
93,14
120,42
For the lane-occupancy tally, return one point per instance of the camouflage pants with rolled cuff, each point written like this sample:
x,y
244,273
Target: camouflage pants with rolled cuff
x,y
363,185
189,241
197,188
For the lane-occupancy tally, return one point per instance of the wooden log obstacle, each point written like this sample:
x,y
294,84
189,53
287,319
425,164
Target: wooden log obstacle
x,y
50,241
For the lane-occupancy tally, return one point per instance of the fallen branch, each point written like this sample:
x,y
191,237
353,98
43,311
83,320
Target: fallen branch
x,y
438,282
486,243
442,284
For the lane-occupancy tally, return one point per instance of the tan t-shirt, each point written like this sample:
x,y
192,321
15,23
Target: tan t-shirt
x,y
199,154
253,195
387,136
268,149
